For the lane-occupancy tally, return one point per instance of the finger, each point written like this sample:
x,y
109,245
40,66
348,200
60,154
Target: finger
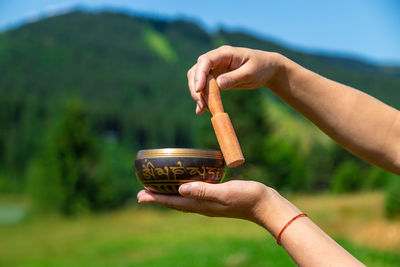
x,y
235,78
144,197
200,103
201,108
182,203
190,77
201,72
220,58
205,191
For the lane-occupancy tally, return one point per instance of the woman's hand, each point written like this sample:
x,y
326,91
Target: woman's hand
x,y
307,244
247,200
241,68
236,199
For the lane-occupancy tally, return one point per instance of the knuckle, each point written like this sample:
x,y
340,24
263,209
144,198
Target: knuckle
x,y
202,58
190,71
225,47
199,190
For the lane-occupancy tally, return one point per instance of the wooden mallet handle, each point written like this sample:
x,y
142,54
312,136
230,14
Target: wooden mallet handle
x,y
222,124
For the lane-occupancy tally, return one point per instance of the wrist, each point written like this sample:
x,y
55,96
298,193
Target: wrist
x,y
280,65
274,211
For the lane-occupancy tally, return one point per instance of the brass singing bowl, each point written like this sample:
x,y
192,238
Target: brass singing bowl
x,y
164,170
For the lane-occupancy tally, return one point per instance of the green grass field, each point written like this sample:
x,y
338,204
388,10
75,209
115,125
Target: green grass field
x,y
141,236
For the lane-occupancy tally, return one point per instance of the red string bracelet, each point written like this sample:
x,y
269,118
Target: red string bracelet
x,y
278,238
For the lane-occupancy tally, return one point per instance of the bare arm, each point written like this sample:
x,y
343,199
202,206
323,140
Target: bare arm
x,y
355,120
303,240
358,122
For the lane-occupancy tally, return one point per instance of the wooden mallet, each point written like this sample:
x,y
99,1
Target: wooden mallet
x,y
222,124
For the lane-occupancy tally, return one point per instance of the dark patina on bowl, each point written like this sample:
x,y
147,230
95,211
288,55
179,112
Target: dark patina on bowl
x,y
164,170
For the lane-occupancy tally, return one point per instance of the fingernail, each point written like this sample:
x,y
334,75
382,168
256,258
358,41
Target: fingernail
x,y
200,105
197,108
139,196
145,199
185,189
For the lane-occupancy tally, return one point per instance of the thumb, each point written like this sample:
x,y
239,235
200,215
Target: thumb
x,y
233,78
201,190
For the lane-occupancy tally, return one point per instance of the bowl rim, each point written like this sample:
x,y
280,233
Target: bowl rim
x,y
179,152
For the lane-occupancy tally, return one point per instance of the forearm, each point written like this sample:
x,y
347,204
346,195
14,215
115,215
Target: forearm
x,y
357,121
304,241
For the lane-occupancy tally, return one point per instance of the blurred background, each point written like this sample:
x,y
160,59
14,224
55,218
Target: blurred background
x,y
86,84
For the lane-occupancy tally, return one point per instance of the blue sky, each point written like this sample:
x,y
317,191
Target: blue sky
x,y
367,29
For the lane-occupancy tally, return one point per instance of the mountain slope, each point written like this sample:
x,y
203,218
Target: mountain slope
x,y
131,74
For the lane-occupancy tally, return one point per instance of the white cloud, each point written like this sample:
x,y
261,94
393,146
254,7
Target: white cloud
x,y
57,9
33,15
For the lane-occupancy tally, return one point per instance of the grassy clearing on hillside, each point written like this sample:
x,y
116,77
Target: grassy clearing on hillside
x,y
295,129
140,236
160,45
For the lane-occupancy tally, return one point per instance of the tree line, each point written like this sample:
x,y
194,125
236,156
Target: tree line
x,y
81,93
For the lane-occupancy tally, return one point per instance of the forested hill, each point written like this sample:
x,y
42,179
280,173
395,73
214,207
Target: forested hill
x,y
130,73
